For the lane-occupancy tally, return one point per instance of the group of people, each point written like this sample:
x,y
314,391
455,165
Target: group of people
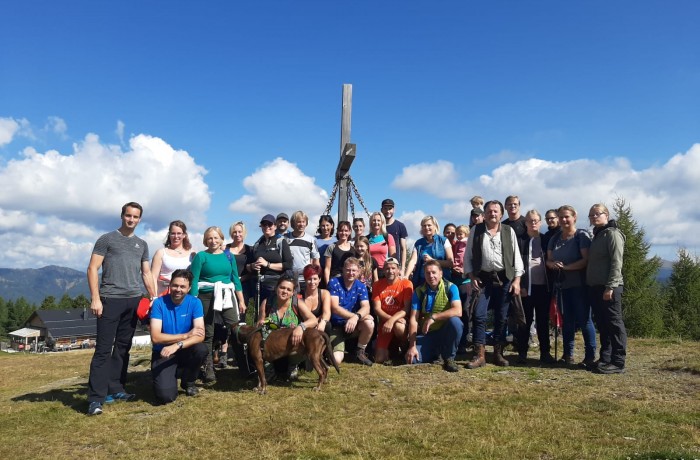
x,y
421,306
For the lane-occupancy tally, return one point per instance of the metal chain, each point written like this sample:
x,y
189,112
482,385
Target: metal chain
x,y
329,205
357,194
351,203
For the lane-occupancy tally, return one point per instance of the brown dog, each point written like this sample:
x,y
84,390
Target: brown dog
x,y
314,345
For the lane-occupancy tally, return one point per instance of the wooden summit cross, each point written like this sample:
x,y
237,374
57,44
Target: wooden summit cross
x,y
347,155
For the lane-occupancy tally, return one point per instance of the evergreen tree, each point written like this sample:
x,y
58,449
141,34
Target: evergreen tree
x,y
642,299
18,313
81,302
49,303
683,307
66,303
3,317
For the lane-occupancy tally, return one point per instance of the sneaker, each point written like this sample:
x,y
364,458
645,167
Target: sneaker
x,y
362,357
450,365
191,390
95,408
546,358
121,396
609,368
588,364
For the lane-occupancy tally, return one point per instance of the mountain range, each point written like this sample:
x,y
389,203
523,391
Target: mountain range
x,y
35,284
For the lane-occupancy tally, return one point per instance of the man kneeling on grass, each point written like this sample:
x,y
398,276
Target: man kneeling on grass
x,y
436,307
350,316
177,333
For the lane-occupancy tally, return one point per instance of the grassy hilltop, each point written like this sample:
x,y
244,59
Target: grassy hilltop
x,y
652,411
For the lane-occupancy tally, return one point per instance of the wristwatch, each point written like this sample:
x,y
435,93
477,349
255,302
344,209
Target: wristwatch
x,y
180,344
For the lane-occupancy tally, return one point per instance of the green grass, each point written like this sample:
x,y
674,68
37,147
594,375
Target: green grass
x,y
652,411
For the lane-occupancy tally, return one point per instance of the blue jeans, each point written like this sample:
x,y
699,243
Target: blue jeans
x,y
442,342
497,298
577,315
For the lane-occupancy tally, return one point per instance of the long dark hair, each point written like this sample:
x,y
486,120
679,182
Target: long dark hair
x,y
326,218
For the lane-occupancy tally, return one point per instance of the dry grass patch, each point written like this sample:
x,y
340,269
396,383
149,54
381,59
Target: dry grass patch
x,y
378,412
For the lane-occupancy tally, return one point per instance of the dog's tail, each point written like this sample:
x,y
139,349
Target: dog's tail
x,y
329,352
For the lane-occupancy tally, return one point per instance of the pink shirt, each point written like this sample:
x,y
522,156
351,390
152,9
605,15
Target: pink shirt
x,y
379,250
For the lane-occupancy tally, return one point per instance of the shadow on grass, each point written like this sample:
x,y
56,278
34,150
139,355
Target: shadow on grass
x,y
678,368
74,395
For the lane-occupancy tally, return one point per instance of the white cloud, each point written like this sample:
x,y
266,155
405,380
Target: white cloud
x,y
662,197
56,125
439,179
8,129
120,131
53,206
12,127
279,186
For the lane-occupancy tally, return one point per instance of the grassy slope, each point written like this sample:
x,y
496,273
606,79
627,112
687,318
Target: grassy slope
x,y
652,411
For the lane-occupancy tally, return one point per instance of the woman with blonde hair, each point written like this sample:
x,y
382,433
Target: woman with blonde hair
x,y
216,283
431,246
567,255
605,283
381,244
368,266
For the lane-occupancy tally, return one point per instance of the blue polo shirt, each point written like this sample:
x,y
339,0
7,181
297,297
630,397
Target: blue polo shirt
x,y
177,319
348,299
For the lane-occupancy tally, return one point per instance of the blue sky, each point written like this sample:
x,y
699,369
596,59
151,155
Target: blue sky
x,y
226,111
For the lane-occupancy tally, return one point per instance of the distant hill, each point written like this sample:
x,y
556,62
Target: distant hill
x,y
35,284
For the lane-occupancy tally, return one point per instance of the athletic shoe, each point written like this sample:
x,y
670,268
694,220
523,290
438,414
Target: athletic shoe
x,y
609,368
95,408
362,357
121,396
588,363
450,365
191,390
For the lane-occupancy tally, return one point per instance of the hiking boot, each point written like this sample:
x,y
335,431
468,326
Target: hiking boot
x,y
121,396
95,408
362,357
450,365
609,368
191,390
498,358
479,358
223,358
209,375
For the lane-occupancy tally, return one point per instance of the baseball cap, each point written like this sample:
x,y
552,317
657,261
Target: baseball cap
x,y
391,260
389,203
477,212
268,218
282,216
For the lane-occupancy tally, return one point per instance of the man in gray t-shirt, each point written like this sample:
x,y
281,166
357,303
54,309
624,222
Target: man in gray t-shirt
x,y
123,258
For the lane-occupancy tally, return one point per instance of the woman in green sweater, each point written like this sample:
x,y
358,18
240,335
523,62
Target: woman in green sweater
x,y
216,283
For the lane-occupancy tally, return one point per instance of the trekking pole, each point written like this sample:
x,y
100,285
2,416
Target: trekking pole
x,y
257,297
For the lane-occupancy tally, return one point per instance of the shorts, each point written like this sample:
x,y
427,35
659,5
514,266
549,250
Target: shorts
x,y
383,339
338,337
